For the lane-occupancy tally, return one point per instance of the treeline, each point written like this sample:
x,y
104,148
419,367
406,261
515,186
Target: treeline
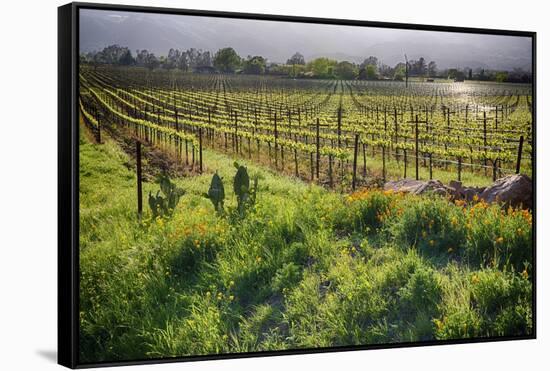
x,y
227,60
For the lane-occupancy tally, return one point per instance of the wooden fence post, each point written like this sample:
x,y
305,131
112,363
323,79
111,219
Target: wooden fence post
x,y
355,161
317,144
200,149
276,146
416,145
520,149
98,130
139,189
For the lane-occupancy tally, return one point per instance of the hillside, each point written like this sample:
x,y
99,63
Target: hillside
x,y
305,267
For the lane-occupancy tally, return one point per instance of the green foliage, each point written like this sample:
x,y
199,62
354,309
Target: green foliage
x,y
286,277
322,67
431,225
345,70
501,76
499,237
254,65
422,292
164,206
495,303
227,60
307,267
363,212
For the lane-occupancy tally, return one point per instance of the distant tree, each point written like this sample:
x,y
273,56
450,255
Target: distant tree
x,y
152,61
519,75
126,59
370,61
399,72
297,70
172,59
368,73
227,60
452,73
322,67
112,54
255,65
470,75
432,69
501,76
419,67
146,59
385,70
297,58
183,62
204,59
345,70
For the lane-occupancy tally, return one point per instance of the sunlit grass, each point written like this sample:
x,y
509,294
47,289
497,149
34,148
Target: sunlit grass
x,y
306,267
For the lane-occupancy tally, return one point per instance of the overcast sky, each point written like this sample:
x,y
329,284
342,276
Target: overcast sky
x,y
277,41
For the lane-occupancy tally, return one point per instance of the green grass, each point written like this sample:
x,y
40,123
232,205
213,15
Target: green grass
x,y
306,267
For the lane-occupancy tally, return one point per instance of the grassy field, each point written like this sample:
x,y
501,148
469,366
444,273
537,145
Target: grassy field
x,y
305,267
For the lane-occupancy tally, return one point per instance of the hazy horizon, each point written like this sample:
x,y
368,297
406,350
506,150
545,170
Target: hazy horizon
x,y
278,41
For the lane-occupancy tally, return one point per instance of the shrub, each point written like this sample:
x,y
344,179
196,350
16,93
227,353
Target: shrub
x,y
422,293
499,237
504,300
459,323
364,211
432,225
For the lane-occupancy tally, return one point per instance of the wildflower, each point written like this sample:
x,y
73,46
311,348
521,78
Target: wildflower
x,y
231,283
450,250
231,297
499,240
475,279
525,274
424,234
431,242
258,259
519,231
475,198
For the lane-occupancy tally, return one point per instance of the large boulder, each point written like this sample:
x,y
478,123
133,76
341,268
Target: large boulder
x,y
419,187
464,193
514,190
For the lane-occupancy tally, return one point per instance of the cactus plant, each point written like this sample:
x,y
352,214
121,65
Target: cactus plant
x,y
164,206
216,193
246,196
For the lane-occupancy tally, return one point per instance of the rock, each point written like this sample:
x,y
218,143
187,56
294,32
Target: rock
x,y
514,190
468,193
419,187
456,185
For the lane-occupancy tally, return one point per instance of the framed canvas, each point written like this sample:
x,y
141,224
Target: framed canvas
x,y
237,185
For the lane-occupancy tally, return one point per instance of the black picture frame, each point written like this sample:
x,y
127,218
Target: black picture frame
x,y
68,180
